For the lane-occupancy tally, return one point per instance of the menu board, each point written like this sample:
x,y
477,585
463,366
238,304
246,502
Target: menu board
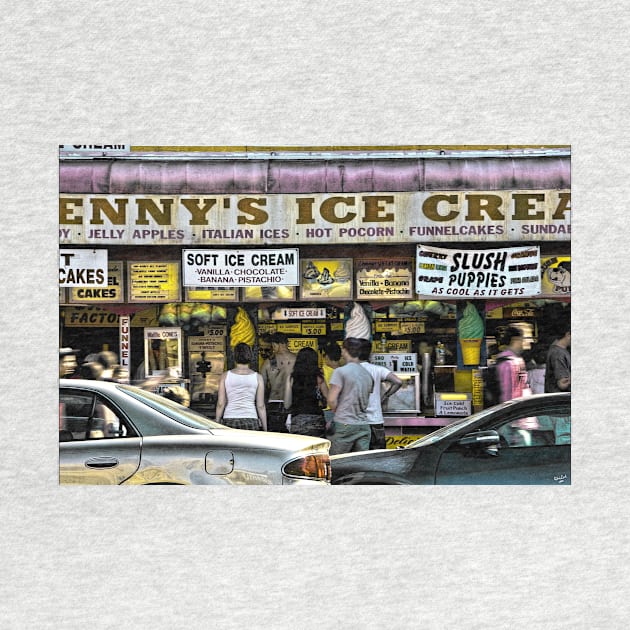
x,y
113,292
211,294
324,279
384,278
154,281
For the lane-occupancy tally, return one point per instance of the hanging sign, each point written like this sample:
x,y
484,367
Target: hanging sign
x,y
299,313
240,268
556,276
480,273
396,362
154,282
325,279
113,292
384,279
125,343
83,268
211,294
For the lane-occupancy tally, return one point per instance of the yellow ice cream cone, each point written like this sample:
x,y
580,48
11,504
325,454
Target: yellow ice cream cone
x,y
471,351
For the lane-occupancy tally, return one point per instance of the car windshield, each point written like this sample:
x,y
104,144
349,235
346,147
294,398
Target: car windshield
x,y
172,409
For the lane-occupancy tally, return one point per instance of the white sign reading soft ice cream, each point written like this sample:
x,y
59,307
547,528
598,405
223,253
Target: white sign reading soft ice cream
x,y
479,273
240,268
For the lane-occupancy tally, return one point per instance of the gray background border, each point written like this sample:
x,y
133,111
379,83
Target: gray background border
x,y
302,73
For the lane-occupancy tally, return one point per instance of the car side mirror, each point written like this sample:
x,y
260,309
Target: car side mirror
x,y
486,441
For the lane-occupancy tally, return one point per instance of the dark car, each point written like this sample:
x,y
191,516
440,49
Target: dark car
x,y
522,441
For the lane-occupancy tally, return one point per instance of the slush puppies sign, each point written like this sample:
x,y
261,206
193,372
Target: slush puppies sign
x,y
453,273
82,267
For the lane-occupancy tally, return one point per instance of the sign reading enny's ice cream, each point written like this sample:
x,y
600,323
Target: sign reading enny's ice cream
x,y
479,273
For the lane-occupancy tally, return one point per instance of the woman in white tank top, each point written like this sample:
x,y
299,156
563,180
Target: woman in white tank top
x,y
241,402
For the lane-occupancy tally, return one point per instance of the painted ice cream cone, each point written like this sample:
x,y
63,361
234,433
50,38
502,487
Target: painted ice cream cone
x,y
470,329
471,351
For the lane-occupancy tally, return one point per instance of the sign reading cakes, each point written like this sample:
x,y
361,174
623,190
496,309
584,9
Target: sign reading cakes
x,y
240,268
482,273
83,268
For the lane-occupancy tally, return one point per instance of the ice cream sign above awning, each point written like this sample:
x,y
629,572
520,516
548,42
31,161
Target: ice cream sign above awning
x,y
480,273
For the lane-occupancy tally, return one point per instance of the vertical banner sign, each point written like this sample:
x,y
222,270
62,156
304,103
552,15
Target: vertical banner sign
x,y
480,273
83,268
125,343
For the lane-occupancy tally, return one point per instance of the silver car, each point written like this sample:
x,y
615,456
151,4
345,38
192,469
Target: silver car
x,y
110,433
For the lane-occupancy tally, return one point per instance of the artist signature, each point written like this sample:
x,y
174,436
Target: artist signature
x,y
560,478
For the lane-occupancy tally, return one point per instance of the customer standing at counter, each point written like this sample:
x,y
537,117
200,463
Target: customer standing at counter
x,y
349,397
558,374
375,409
241,401
275,373
305,395
511,368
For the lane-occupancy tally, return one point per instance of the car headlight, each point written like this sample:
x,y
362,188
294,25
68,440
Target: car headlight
x,y
309,467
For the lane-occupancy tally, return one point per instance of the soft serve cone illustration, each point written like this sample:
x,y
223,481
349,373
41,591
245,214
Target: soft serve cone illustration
x,y
470,331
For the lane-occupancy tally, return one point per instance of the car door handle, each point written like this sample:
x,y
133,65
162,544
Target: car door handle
x,y
101,462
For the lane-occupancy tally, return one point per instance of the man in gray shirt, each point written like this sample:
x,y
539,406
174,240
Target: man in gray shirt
x,y
349,397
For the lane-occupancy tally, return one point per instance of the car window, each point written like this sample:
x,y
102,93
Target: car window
x,y
542,430
173,410
88,416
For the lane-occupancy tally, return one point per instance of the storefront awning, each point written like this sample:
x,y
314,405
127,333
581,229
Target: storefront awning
x,y
276,176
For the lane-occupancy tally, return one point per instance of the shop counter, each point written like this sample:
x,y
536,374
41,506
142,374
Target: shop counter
x,y
401,425
403,430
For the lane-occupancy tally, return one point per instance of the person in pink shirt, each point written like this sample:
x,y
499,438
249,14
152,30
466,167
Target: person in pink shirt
x,y
511,366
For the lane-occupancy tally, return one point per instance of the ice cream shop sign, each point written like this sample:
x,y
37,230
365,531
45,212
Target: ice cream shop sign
x,y
288,218
454,273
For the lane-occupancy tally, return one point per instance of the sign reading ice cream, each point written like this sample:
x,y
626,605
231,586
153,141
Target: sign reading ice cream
x,y
240,268
480,273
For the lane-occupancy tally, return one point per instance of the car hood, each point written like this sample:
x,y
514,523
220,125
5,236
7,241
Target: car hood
x,y
387,461
267,440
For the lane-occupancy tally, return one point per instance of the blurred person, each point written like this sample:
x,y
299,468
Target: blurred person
x,y
265,351
511,368
558,374
349,397
241,401
275,373
512,375
332,359
177,393
536,369
90,370
109,361
305,395
120,374
379,374
68,364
